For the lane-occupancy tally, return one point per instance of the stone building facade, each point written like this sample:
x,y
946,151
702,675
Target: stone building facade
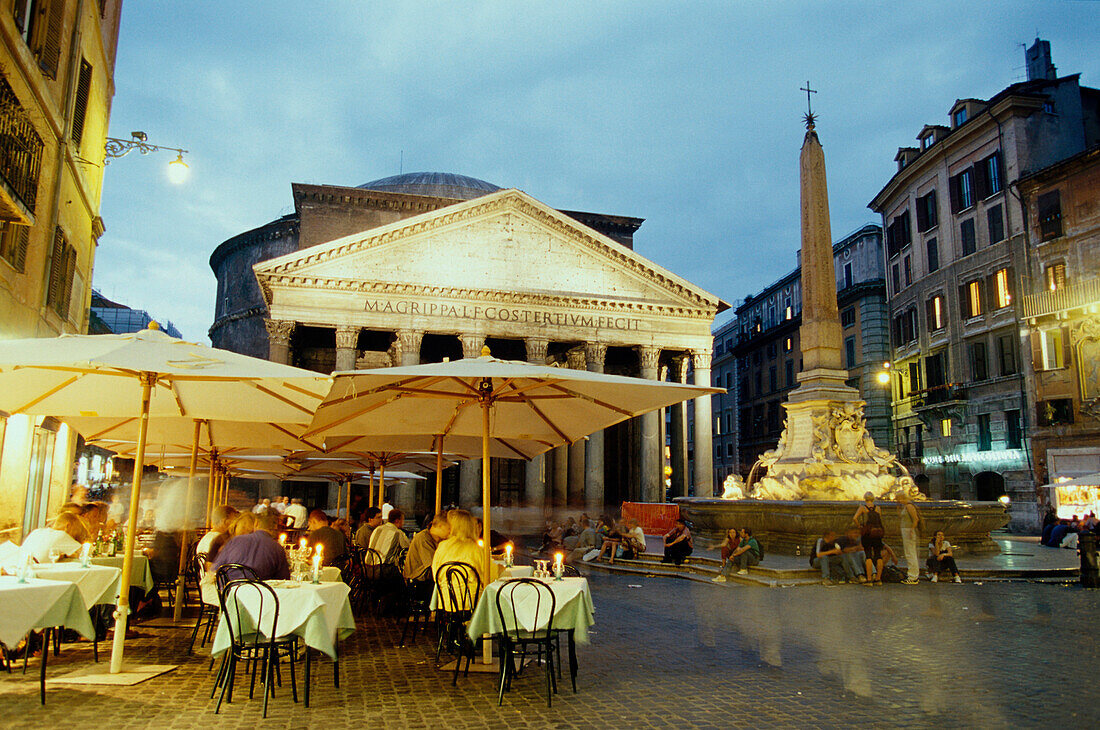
x,y
1061,311
955,242
57,62
767,351
428,266
724,405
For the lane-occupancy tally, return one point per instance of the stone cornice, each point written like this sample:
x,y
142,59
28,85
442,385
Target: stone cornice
x,y
495,296
514,200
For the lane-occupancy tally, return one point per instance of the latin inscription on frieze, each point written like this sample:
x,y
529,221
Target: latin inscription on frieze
x,y
514,315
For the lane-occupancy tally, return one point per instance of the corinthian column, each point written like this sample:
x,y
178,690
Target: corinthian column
x,y
575,497
347,344
650,466
278,340
678,427
595,354
471,345
469,471
406,348
534,481
704,440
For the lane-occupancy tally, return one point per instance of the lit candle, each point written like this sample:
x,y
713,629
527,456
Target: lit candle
x,y
508,554
86,554
559,567
317,567
282,539
302,544
481,543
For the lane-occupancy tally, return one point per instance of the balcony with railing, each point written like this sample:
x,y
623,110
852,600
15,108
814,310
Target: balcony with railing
x,y
939,396
1076,296
20,159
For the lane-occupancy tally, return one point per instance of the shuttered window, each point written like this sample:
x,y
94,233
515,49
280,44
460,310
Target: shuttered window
x,y
926,212
1000,288
933,254
49,53
966,235
995,218
970,299
936,315
13,244
962,190
62,269
80,109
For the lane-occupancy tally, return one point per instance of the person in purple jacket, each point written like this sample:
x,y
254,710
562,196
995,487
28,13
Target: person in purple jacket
x,y
254,547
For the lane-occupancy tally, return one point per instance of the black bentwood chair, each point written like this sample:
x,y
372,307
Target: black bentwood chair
x,y
458,585
516,641
417,603
207,612
256,644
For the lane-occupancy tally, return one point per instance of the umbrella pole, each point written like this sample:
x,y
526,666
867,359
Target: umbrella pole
x,y
485,406
177,609
122,611
211,486
438,474
381,484
347,513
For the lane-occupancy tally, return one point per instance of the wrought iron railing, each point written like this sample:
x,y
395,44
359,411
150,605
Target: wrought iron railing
x,y
1081,294
20,148
939,394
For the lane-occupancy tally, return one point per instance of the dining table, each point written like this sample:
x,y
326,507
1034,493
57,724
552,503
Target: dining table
x,y
141,575
97,584
318,613
41,604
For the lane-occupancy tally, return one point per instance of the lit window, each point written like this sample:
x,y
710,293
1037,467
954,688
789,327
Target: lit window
x,y
1050,344
1056,276
974,299
788,313
945,427
1003,298
788,344
935,313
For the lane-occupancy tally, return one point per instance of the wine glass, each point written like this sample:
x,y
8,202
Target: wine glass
x,y
55,554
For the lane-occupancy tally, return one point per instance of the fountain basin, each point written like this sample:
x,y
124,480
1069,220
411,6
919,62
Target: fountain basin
x,y
783,526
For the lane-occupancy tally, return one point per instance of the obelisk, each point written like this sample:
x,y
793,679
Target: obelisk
x,y
825,451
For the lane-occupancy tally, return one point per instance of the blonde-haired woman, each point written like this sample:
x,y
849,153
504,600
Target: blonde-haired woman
x,y
461,547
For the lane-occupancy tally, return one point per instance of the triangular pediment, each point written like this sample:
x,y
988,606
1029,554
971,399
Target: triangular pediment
x,y
505,242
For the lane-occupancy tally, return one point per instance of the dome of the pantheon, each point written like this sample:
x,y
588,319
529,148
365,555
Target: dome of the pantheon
x,y
436,184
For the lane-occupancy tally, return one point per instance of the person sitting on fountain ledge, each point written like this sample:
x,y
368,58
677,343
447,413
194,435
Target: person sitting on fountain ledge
x,y
869,518
748,552
678,543
941,556
852,555
827,553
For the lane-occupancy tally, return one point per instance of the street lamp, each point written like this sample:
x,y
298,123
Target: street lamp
x,y
115,148
884,374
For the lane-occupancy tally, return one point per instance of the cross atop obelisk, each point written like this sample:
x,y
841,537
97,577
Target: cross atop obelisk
x,y
809,117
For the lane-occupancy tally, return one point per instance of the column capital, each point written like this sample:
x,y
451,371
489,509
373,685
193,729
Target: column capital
x,y
471,345
279,330
406,342
700,359
575,358
536,350
347,337
596,353
680,367
648,356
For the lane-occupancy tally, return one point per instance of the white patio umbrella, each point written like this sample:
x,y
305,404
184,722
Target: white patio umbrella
x,y
528,408
144,374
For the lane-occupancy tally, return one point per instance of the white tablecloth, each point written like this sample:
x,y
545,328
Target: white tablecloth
x,y
39,604
573,608
140,574
320,614
96,583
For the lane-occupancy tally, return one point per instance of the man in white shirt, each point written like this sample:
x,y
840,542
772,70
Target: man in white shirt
x,y
281,505
221,517
388,538
386,507
296,515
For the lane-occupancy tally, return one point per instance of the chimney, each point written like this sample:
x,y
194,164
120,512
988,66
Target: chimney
x,y
1039,65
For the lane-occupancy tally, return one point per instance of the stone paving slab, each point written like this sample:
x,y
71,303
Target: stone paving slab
x,y
671,652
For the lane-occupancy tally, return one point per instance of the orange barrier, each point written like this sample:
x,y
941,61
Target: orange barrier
x,y
655,518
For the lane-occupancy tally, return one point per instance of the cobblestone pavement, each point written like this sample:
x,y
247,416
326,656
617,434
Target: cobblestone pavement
x,y
671,652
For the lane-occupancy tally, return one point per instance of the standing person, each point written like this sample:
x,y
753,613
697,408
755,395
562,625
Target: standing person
x,y
678,543
911,524
869,518
941,555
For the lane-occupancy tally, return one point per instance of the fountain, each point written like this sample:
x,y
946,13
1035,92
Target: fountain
x,y
826,460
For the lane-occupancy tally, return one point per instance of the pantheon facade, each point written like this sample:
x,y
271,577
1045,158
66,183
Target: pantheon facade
x,y
425,266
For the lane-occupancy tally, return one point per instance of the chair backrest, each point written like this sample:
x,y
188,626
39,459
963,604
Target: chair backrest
x,y
198,564
251,610
230,572
532,595
371,563
459,586
570,571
